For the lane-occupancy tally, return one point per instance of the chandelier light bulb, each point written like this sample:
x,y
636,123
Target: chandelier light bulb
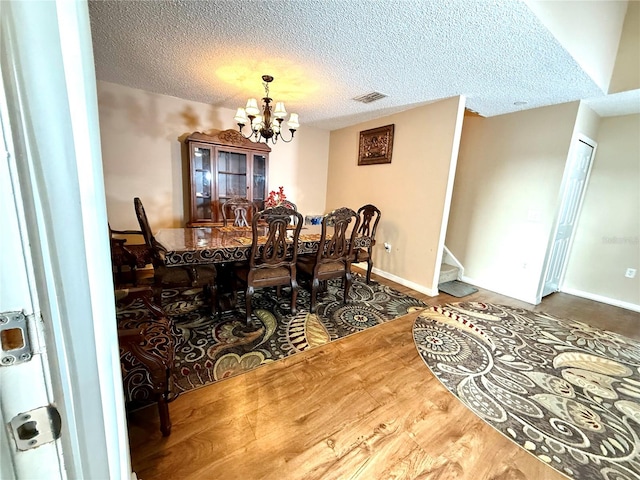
x,y
293,122
252,107
241,117
280,111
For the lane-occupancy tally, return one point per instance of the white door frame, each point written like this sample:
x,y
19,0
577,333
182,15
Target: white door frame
x,y
571,158
49,93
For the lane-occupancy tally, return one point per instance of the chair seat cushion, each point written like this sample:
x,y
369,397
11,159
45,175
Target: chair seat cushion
x,y
282,274
307,264
361,255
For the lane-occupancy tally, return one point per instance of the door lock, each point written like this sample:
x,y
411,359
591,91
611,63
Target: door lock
x,y
14,339
36,427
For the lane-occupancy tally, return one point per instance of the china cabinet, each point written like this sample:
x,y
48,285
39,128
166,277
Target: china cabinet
x,y
222,166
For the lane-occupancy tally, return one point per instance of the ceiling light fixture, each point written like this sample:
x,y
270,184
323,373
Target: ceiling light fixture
x,y
263,127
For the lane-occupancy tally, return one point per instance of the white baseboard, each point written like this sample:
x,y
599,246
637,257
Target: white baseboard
x,y
531,300
602,299
406,283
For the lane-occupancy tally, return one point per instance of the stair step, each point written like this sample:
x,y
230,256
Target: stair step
x,y
448,273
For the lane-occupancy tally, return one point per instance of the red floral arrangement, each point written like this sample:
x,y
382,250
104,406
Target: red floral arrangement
x,y
275,198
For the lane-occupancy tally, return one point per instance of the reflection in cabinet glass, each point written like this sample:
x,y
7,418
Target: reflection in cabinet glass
x,y
223,166
232,175
202,180
259,180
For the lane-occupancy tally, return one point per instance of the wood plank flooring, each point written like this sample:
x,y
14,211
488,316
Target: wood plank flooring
x,y
363,407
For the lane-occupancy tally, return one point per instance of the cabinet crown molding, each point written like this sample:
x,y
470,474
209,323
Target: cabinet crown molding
x,y
228,137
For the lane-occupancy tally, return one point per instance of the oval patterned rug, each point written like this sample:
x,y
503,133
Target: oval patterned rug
x,y
564,391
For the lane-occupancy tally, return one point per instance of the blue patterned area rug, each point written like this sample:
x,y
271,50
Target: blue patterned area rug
x,y
211,348
564,391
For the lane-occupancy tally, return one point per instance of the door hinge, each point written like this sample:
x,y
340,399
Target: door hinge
x,y
36,427
14,339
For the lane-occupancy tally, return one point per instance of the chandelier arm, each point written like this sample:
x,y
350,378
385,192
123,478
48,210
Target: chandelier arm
x,y
240,127
292,134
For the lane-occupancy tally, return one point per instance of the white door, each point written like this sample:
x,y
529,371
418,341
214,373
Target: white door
x,y
54,252
572,193
24,374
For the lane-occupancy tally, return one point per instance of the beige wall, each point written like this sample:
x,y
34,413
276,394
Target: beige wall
x,y
302,168
590,32
587,122
411,191
607,235
626,73
505,196
142,156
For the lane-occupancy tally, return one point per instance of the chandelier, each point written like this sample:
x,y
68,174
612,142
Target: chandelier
x,y
268,125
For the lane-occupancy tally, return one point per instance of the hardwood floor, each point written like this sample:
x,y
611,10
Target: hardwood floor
x,y
363,407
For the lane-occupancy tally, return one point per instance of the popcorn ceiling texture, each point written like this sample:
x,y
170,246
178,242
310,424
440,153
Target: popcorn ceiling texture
x,y
324,53
623,103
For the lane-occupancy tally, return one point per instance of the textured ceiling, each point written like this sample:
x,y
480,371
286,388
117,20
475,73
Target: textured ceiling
x,y
623,103
323,53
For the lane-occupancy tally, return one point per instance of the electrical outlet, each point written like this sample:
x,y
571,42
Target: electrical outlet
x,y
387,247
630,273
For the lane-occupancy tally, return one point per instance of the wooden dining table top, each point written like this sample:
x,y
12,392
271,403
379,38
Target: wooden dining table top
x,y
218,244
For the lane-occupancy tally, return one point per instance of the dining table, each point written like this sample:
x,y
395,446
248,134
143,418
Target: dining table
x,y
224,244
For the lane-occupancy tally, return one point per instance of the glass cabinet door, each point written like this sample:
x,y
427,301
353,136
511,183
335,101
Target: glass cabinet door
x,y
259,183
201,178
232,175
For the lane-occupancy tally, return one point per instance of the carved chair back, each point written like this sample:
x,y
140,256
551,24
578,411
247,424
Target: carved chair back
x,y
238,212
289,204
156,250
340,246
280,248
369,218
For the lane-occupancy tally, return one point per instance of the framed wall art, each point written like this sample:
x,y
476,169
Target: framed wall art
x,y
376,145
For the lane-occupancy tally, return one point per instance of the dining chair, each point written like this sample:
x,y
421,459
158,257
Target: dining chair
x,y
147,352
238,212
335,252
124,254
274,252
291,205
369,216
178,275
